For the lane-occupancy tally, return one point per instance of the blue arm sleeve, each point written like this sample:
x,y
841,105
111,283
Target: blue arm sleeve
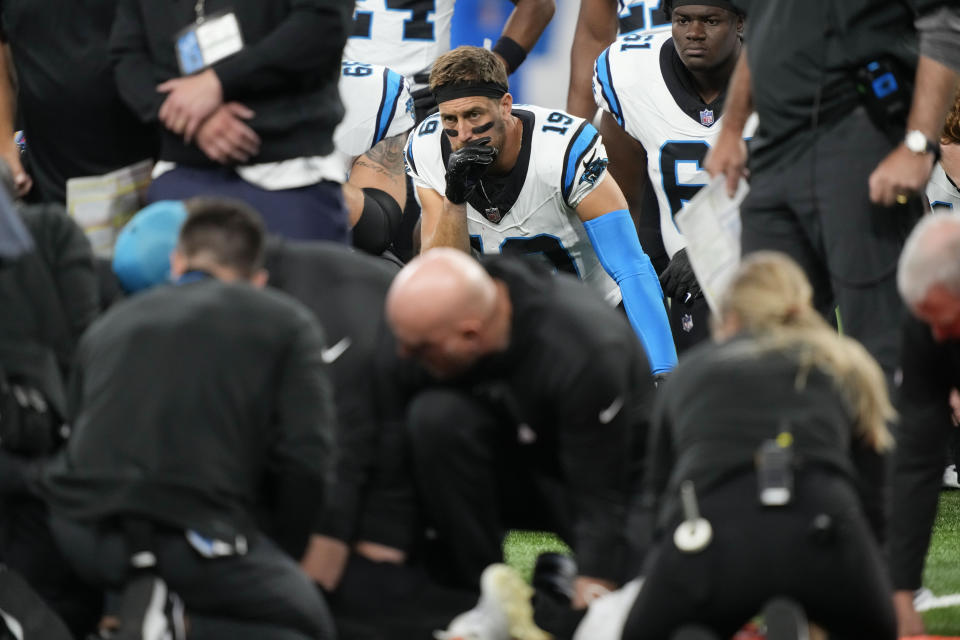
x,y
614,238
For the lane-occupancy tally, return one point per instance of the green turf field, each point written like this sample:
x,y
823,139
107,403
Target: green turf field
x,y
942,574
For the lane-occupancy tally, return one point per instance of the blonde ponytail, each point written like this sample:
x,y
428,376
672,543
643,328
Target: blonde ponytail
x,y
770,297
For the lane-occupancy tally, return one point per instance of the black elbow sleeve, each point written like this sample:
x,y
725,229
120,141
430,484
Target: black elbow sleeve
x,y
378,223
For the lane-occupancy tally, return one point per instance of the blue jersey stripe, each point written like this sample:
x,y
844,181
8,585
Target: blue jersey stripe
x,y
392,87
584,139
606,86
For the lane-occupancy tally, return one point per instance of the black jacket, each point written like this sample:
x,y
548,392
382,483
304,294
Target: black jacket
x,y
930,370
803,55
67,101
724,400
48,297
186,399
581,382
373,495
287,72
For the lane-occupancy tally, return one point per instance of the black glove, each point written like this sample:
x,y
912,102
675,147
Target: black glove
x,y
659,379
424,104
466,166
679,280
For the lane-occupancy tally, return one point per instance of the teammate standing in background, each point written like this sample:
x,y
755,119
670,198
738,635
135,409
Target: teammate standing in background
x,y
662,95
368,149
942,190
528,180
597,27
408,35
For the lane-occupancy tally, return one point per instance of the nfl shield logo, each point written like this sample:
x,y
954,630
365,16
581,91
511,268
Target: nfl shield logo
x,y
493,214
706,117
686,322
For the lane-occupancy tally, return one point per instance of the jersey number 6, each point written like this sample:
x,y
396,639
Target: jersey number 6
x,y
673,154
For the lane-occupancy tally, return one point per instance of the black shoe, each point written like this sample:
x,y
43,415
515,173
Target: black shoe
x,y
148,611
554,574
785,620
552,581
692,632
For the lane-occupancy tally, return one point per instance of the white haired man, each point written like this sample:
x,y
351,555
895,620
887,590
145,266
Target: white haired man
x,y
928,278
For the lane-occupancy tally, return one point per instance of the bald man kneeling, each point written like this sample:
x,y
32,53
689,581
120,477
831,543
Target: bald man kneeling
x,y
536,417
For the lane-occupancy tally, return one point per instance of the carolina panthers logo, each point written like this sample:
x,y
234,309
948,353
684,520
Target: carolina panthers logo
x,y
593,168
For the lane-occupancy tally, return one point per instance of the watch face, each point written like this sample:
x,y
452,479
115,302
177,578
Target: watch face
x,y
916,141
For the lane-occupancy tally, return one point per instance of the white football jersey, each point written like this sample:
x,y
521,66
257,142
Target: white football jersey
x,y
942,192
532,210
376,105
634,80
405,35
634,15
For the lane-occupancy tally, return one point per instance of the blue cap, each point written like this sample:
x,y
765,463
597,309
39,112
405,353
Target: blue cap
x,y
141,256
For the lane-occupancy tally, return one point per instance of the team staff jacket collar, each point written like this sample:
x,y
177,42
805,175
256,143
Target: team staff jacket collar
x,y
194,275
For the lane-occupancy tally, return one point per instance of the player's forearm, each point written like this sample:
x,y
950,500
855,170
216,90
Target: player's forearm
x,y
932,97
527,21
450,230
739,103
596,29
7,102
614,239
628,162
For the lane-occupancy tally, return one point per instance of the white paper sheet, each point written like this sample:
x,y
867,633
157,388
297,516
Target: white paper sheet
x,y
710,223
101,205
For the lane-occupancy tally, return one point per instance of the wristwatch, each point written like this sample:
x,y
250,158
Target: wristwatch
x,y
917,142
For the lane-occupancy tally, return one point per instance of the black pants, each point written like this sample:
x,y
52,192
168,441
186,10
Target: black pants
x,y
476,481
758,553
263,587
384,601
27,546
314,212
817,209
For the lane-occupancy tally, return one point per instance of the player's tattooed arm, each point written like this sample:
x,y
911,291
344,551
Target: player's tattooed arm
x,y
382,167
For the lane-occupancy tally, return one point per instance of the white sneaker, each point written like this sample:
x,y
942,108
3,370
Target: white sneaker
x,y
607,614
504,611
148,611
950,478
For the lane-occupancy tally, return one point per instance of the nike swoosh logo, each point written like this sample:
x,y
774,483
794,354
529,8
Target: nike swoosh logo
x,y
611,412
593,156
330,354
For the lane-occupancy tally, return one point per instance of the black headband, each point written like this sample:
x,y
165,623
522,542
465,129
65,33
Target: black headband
x,y
723,4
469,90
